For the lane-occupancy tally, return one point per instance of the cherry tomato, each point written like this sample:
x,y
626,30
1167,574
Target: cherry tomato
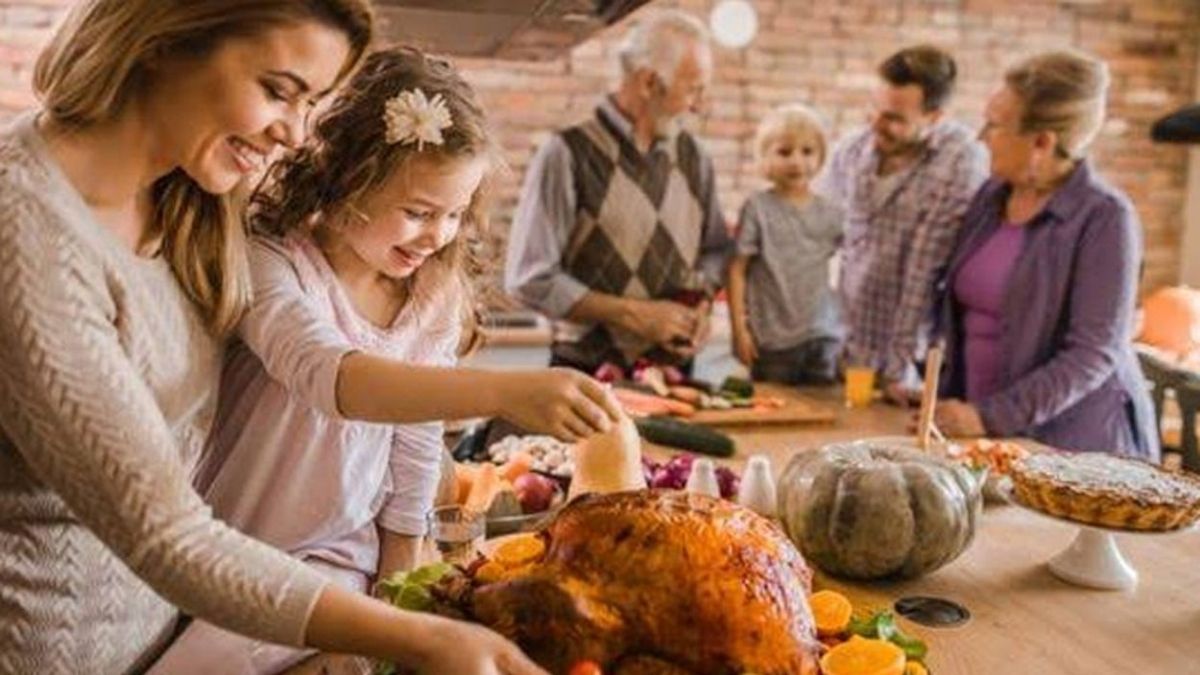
x,y
586,668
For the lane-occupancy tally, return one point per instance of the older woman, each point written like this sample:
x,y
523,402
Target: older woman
x,y
122,261
1039,297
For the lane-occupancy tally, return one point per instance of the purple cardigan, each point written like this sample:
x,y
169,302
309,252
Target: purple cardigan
x,y
1069,376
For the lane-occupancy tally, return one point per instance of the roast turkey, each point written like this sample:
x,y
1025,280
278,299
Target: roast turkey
x,y
660,582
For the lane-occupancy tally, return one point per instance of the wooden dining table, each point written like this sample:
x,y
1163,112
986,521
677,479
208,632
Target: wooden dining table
x,y
1024,620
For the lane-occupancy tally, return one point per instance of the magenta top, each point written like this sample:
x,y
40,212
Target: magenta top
x,y
980,289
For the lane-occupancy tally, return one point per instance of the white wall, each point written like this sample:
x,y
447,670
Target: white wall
x,y
1189,262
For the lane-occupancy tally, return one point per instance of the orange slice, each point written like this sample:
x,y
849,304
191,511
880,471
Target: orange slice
x,y
860,656
489,573
831,612
915,668
520,550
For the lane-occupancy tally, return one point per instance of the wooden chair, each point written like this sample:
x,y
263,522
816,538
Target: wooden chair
x,y
1184,383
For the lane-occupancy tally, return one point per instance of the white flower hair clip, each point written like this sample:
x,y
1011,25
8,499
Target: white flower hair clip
x,y
412,117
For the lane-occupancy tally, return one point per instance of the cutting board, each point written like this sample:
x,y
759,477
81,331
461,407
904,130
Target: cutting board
x,y
798,409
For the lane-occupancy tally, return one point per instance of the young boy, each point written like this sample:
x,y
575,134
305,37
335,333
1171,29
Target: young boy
x,y
784,314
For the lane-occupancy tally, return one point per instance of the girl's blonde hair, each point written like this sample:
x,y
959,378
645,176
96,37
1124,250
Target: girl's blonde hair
x,y
349,157
792,121
99,60
1064,92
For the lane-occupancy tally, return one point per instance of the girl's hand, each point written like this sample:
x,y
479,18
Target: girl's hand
x,y
560,402
468,649
744,348
958,419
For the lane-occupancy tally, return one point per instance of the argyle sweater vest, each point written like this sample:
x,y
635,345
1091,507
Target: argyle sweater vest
x,y
638,231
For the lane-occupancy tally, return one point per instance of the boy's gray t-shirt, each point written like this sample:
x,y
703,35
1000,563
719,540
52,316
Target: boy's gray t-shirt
x,y
788,296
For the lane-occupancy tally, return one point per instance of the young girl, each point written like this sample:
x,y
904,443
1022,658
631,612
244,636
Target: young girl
x,y
364,269
784,315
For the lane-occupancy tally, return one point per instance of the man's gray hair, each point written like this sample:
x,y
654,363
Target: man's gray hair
x,y
659,42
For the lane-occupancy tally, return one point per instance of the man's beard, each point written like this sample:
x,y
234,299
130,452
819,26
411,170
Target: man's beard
x,y
667,127
894,146
897,147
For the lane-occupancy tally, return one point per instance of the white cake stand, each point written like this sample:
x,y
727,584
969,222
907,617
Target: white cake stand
x,y
1093,559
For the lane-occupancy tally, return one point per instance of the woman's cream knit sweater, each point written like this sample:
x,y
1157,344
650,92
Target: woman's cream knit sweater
x,y
107,387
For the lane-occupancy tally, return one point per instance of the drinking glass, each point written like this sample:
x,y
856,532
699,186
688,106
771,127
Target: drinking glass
x,y
859,373
456,532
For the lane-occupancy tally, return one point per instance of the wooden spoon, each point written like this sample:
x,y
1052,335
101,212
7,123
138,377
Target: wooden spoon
x,y
925,426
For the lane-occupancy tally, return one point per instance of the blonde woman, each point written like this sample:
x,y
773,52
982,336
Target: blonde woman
x,y
1040,292
122,261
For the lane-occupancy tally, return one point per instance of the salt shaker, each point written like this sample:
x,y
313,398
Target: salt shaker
x,y
703,479
757,492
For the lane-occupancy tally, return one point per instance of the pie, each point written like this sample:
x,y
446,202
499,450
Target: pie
x,y
1099,489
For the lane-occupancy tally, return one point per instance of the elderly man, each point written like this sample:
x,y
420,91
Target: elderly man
x,y
618,235
906,182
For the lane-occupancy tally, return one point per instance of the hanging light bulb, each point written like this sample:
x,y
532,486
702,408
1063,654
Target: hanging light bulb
x,y
734,23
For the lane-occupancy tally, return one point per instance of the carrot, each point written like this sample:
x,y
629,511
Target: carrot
x,y
686,394
768,402
639,404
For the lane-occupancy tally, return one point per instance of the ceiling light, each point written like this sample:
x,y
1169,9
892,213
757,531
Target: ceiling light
x,y
734,23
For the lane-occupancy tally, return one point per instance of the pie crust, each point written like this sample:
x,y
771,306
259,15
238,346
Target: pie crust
x,y
1099,489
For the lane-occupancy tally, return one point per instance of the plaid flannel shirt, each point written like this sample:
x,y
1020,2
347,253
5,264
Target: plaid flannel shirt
x,y
897,242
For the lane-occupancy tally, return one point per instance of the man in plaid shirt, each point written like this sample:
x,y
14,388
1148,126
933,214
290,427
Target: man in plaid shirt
x,y
905,182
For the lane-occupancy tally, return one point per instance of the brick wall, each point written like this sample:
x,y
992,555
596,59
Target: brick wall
x,y
24,28
824,53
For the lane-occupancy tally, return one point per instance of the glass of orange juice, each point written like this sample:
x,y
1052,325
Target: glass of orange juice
x,y
860,383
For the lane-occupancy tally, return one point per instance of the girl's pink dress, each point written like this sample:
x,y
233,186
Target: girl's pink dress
x,y
284,466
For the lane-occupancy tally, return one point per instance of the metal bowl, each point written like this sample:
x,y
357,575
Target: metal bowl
x,y
526,522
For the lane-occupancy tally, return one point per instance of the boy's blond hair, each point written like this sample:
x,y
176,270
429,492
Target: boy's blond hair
x,y
794,120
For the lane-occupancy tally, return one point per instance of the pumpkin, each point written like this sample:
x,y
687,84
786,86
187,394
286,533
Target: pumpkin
x,y
869,510
1171,320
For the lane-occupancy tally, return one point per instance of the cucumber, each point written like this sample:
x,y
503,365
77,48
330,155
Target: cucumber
x,y
741,388
677,434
